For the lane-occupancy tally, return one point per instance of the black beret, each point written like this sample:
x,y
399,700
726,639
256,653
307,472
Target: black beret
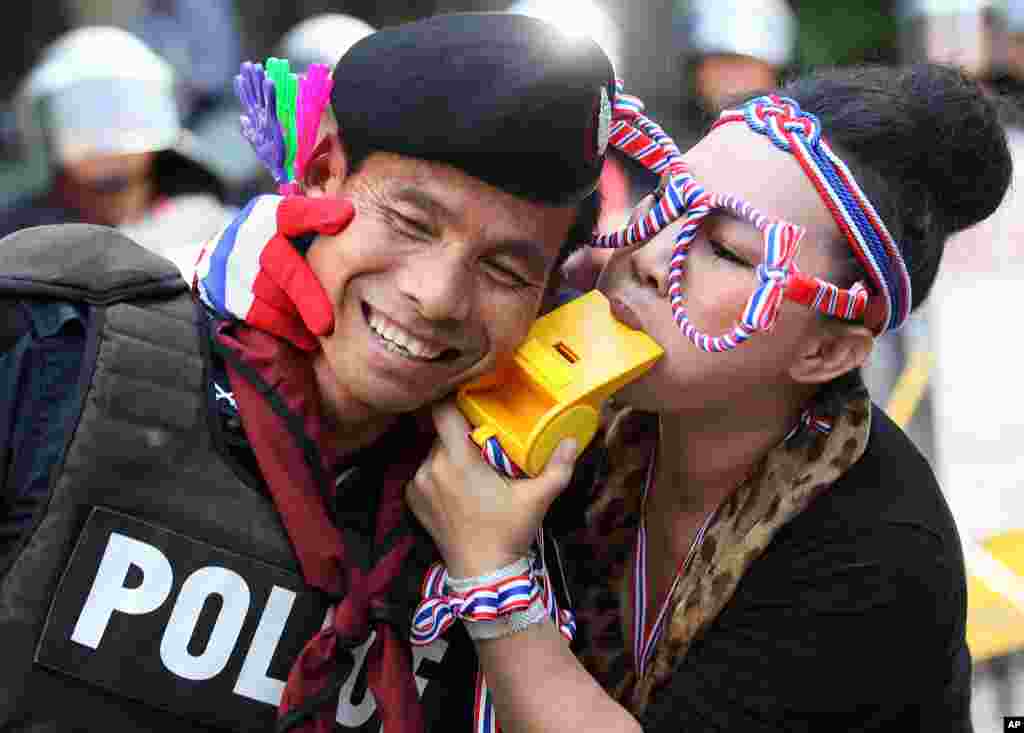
x,y
506,98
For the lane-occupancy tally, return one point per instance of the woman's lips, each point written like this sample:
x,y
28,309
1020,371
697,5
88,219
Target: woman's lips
x,y
624,314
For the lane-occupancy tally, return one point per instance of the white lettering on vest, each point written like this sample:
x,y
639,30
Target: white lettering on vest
x,y
349,715
353,716
109,592
253,681
198,587
434,652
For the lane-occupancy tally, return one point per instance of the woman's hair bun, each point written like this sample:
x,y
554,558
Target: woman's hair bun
x,y
969,166
926,125
925,142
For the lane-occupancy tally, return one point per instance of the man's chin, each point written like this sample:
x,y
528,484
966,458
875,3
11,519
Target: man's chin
x,y
389,400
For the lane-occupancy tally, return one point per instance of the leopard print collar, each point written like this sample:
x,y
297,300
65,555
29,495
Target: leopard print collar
x,y
789,478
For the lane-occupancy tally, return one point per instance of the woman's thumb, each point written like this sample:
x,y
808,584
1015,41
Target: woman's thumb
x,y
555,477
560,466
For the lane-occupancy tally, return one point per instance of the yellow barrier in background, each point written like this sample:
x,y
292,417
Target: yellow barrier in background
x,y
995,595
910,387
995,567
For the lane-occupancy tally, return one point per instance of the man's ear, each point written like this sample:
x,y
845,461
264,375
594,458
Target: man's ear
x,y
327,168
837,349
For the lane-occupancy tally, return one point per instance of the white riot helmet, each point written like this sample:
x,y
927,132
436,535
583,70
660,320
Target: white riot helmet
x,y
99,90
579,18
322,39
931,8
761,29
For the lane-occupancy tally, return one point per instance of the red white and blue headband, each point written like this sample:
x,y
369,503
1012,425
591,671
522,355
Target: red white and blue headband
x,y
682,197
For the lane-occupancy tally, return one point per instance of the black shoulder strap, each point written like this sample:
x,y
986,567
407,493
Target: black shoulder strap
x,y
14,323
83,263
77,263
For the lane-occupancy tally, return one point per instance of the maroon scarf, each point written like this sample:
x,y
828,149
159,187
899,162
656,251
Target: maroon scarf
x,y
280,410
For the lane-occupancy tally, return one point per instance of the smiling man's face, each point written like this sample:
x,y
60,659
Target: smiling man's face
x,y
438,277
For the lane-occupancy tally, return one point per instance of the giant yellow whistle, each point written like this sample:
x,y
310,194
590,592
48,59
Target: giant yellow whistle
x,y
573,359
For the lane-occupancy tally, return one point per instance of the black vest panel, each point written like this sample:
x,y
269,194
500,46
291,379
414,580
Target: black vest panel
x,y
156,590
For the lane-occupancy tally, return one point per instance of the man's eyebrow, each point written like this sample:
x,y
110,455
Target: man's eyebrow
x,y
531,251
423,201
535,255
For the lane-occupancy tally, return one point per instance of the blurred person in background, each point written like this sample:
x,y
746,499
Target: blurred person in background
x,y
732,47
200,40
969,35
102,104
982,270
738,46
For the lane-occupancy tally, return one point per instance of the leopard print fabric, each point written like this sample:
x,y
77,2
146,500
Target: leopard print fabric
x,y
788,479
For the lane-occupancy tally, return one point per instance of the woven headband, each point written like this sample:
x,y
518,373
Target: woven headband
x,y
798,133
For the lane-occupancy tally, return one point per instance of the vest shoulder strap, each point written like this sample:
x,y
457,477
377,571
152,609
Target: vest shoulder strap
x,y
14,324
83,263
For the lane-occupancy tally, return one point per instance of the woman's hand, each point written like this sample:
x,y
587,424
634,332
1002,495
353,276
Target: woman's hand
x,y
480,520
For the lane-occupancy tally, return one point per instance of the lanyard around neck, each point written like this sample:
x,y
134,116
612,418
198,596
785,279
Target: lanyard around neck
x,y
643,642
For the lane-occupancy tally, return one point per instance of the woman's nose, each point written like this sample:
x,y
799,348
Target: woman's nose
x,y
650,264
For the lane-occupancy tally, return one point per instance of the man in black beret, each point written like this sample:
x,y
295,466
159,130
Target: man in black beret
x,y
204,522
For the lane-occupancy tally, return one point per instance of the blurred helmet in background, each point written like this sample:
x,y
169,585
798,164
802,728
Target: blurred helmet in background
x,y
322,39
98,92
760,29
580,18
734,46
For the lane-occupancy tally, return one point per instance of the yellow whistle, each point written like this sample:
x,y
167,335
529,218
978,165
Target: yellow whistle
x,y
573,359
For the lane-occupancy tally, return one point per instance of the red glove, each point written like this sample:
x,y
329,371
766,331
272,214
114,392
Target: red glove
x,y
252,272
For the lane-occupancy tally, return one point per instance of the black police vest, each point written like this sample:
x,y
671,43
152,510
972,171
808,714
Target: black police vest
x,y
156,590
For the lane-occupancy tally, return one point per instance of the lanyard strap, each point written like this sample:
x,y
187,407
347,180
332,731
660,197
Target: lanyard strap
x,y
643,642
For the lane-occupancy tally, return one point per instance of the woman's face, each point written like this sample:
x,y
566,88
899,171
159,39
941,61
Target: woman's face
x,y
719,279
